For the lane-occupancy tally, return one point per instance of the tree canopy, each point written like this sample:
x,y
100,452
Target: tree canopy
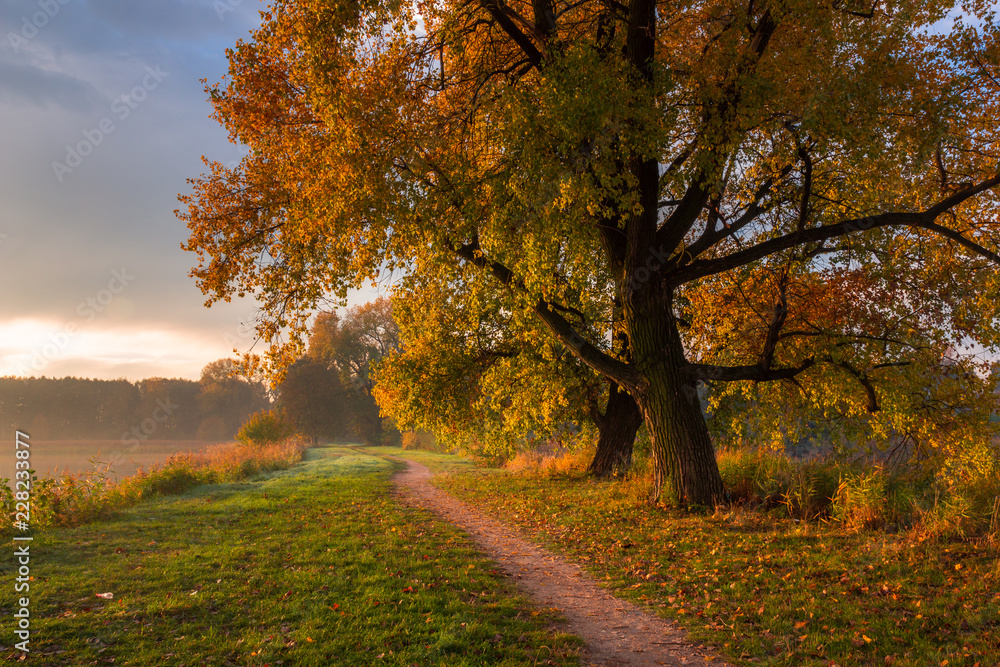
x,y
791,193
311,397
467,374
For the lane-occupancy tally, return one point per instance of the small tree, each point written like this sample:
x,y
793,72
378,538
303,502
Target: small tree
x,y
226,399
351,345
265,428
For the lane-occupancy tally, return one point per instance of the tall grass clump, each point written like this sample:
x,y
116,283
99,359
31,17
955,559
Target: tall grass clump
x,y
72,499
964,496
553,461
862,501
771,479
955,497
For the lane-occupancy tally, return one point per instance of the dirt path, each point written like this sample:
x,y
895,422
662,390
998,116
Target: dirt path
x,y
616,632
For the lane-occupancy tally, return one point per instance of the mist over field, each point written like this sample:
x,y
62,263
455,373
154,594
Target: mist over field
x,y
112,459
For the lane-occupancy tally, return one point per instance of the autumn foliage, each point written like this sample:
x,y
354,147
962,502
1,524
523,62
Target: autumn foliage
x,y
793,203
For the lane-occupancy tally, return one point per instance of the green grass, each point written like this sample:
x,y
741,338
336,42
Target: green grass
x,y
436,462
765,588
314,565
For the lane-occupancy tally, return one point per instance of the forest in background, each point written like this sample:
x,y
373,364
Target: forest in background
x,y
326,394
70,408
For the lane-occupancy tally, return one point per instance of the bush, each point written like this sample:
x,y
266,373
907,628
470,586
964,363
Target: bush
x,y
420,440
265,428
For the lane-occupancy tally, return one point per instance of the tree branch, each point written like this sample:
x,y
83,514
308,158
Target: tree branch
x,y
499,11
777,322
924,220
588,353
755,372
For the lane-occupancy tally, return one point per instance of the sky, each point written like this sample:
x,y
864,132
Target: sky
x,y
104,118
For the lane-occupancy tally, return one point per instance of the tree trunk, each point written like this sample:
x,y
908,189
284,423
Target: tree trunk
x,y
617,429
681,446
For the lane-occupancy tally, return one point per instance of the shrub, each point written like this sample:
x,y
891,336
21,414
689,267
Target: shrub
x,y
420,440
265,427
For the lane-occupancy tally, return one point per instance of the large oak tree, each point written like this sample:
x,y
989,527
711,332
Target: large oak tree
x,y
726,176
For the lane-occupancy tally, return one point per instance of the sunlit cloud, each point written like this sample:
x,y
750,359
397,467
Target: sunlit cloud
x,y
35,348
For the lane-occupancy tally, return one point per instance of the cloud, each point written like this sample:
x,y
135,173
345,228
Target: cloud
x,y
23,83
108,350
61,240
174,19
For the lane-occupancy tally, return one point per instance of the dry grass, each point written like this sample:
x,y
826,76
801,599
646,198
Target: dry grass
x,y
72,499
555,463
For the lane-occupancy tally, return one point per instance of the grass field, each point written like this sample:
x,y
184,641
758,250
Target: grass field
x,y
315,565
765,588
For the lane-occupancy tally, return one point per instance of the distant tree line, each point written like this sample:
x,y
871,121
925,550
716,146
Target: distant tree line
x,y
327,394
212,408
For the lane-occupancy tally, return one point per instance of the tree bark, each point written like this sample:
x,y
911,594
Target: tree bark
x,y
616,429
682,450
